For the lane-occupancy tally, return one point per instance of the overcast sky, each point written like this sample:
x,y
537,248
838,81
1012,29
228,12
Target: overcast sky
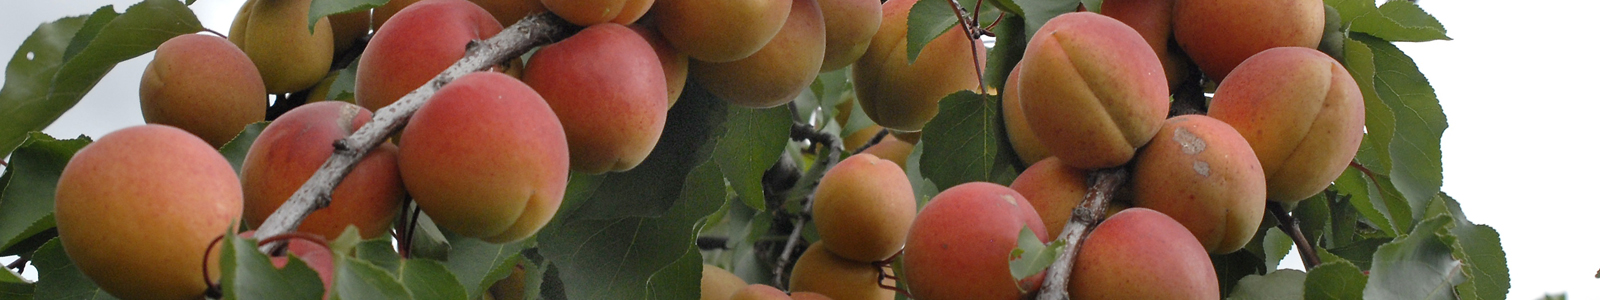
x,y
1518,84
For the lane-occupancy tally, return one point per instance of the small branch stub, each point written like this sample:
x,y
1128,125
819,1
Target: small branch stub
x,y
1103,185
515,40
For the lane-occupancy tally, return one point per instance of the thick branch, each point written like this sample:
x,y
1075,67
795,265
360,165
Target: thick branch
x,y
521,37
1291,226
1103,185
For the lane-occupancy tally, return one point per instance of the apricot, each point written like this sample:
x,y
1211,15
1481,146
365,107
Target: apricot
x,y
203,85
720,30
1202,173
960,245
903,95
718,284
274,36
508,12
863,207
349,26
1091,89
673,62
759,292
136,210
422,40
1153,20
1023,141
295,145
779,71
1302,114
1219,34
607,86
1055,190
1142,254
850,27
821,271
590,12
511,287
381,14
486,158
808,296
891,149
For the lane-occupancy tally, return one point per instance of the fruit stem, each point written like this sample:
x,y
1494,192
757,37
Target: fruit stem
x,y
519,38
1103,185
1291,226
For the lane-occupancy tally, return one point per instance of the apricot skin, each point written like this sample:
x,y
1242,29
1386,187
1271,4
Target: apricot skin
x,y
1023,140
779,71
1054,189
821,271
203,85
486,158
172,185
1219,34
396,62
892,149
274,36
1153,20
607,86
759,292
899,94
863,208
718,284
508,12
720,30
590,12
959,245
1142,254
295,145
1200,172
673,62
1302,113
851,25
1092,90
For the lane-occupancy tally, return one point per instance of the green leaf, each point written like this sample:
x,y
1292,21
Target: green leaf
x,y
1380,124
1377,201
61,61
1280,284
921,187
1417,266
828,91
1277,246
478,264
1010,40
1394,21
344,83
1360,252
1335,280
930,18
965,138
673,281
378,252
323,8
236,149
622,258
28,201
355,278
653,187
1479,246
1037,12
1233,267
752,144
59,278
427,241
429,279
249,274
1420,122
14,287
1008,6
1314,215
1033,256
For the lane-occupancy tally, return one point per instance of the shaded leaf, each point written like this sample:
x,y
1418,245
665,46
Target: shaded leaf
x,y
323,8
1037,12
1280,284
427,241
1010,40
429,279
1335,280
653,187
921,187
1479,246
59,278
965,139
930,18
28,201
753,141
236,149
355,278
674,281
478,264
1233,267
61,61
1417,266
249,274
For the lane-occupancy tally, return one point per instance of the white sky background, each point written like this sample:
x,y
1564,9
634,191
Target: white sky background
x,y
1518,84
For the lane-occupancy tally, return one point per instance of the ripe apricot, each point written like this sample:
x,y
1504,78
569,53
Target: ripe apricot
x,y
146,201
1023,141
850,27
903,95
673,62
720,30
821,271
960,244
863,208
1219,34
1054,189
892,149
718,284
1153,20
779,71
508,12
1302,113
349,26
486,158
295,145
273,34
1091,89
1200,172
203,85
607,86
1142,254
590,12
419,42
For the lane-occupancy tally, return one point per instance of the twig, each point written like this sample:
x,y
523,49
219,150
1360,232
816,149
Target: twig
x,y
1103,185
969,26
1291,226
876,138
19,264
799,131
316,193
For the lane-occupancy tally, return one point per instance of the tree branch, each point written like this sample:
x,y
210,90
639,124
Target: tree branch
x,y
1103,185
800,131
1291,226
521,37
